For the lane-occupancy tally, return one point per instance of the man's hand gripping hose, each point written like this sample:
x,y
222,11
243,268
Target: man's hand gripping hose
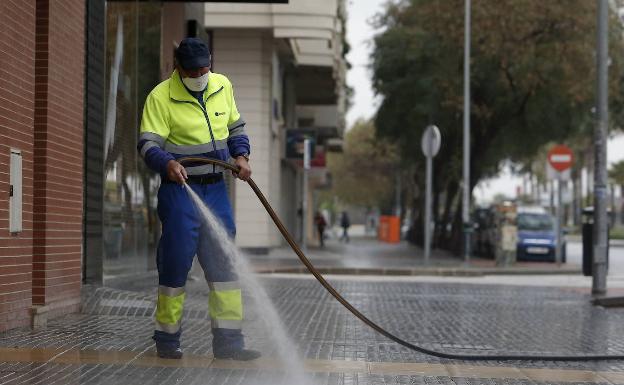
x,y
373,325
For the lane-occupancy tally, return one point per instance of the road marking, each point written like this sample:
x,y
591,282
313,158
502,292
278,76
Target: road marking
x,y
563,375
486,372
413,369
84,357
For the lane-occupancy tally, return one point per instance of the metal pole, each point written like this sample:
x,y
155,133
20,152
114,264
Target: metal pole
x,y
304,204
552,196
428,204
559,237
397,194
466,190
601,238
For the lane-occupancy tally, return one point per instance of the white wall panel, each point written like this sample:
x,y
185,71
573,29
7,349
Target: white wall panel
x,y
245,58
15,193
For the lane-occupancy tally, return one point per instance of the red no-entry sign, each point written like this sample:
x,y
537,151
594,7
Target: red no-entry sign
x,y
560,157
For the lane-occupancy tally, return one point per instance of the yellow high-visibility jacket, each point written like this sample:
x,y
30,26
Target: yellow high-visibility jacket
x,y
175,124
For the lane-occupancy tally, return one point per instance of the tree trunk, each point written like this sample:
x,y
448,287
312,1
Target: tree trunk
x,y
435,209
455,244
416,232
613,211
622,204
552,196
442,236
588,161
576,199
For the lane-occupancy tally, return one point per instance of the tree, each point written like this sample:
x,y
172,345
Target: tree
x,y
532,79
616,173
364,174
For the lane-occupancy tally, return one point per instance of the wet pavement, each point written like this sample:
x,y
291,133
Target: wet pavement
x,y
109,343
365,255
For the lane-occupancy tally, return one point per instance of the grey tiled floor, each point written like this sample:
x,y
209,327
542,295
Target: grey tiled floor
x,y
452,317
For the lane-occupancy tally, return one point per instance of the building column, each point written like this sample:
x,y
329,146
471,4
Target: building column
x,y
58,158
94,142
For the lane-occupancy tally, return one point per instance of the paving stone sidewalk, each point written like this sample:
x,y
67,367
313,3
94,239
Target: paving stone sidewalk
x,y
109,343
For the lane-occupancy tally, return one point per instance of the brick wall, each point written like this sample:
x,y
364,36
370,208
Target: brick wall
x,y
58,155
17,69
41,107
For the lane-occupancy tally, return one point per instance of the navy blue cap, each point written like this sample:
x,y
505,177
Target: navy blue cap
x,y
193,53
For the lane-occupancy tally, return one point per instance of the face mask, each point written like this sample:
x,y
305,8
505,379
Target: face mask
x,y
196,84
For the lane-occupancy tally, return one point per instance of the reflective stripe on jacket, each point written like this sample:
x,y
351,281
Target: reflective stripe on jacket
x,y
175,125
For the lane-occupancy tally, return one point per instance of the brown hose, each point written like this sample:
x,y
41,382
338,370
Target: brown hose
x,y
365,319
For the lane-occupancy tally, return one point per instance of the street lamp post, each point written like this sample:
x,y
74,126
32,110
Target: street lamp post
x,y
601,237
430,143
304,203
466,190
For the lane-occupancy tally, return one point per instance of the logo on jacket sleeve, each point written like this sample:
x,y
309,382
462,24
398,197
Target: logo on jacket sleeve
x,y
219,113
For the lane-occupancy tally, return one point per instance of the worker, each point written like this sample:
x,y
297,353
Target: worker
x,y
193,113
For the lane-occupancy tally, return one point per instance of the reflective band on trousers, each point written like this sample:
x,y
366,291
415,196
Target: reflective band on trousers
x,y
171,329
169,308
231,285
170,291
226,324
225,304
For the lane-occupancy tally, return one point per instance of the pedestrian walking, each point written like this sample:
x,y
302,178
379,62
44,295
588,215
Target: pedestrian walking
x,y
319,221
372,224
193,113
345,224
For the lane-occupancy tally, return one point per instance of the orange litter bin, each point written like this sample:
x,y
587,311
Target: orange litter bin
x,y
389,229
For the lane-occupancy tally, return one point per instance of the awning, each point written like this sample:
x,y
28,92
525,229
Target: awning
x,y
204,1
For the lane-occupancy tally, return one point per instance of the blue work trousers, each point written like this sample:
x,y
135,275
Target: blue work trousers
x,y
184,235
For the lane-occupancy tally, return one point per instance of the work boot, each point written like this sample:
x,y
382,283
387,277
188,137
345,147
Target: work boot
x,y
238,355
168,352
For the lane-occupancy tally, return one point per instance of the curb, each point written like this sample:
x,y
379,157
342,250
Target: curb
x,y
609,302
442,271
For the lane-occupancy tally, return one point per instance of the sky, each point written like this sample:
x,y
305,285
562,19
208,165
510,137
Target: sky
x,y
360,34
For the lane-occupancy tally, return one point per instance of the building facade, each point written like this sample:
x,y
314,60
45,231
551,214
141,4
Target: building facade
x,y
41,159
286,63
79,203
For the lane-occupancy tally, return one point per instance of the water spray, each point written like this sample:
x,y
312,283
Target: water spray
x,y
319,277
219,237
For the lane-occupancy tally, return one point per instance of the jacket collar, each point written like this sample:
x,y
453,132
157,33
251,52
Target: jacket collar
x,y
178,92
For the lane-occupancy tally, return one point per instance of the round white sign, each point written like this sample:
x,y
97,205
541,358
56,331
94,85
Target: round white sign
x,y
431,141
